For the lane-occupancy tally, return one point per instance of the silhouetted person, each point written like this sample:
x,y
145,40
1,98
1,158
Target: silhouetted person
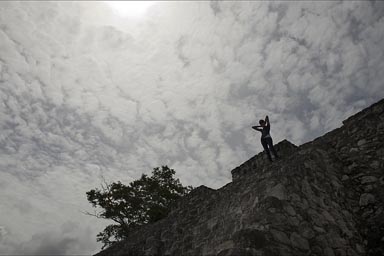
x,y
266,139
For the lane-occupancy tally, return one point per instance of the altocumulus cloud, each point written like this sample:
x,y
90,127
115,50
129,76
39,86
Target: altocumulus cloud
x,y
86,94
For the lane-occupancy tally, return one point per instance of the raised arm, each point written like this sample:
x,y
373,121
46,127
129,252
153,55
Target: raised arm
x,y
267,121
257,128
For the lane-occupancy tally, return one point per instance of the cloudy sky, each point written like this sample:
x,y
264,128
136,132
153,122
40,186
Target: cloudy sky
x,y
89,92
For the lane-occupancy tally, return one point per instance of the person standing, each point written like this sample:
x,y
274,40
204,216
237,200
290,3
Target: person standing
x,y
266,139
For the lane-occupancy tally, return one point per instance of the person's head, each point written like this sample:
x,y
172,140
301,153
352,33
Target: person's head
x,y
262,122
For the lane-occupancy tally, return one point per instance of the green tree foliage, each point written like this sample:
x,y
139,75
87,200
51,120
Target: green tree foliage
x,y
143,201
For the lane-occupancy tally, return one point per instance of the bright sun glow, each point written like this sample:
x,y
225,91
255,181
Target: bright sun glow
x,y
130,8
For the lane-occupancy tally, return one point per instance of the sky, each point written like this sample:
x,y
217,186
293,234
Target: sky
x,y
89,93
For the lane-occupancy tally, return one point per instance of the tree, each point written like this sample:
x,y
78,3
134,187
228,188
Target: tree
x,y
143,201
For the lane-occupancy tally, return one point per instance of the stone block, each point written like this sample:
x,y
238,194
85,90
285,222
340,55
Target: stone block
x,y
351,252
277,191
378,109
152,246
225,245
360,249
316,218
368,188
293,221
366,199
212,223
319,229
316,251
328,216
290,210
305,230
283,251
249,238
340,252
328,252
368,179
361,142
321,240
271,202
375,164
336,241
299,242
296,198
280,236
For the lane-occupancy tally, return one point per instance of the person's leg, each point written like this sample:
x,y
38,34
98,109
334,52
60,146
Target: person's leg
x,y
265,146
270,145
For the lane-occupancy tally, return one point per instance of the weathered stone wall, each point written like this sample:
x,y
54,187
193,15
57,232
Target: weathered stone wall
x,y
322,198
260,161
359,148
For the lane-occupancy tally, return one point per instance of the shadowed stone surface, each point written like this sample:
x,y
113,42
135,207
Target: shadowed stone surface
x,y
322,198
